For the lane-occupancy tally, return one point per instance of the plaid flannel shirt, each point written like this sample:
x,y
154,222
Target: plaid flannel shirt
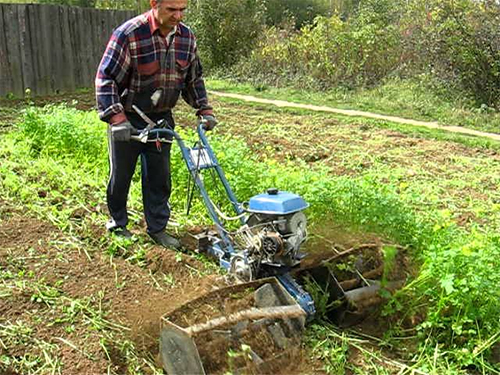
x,y
141,66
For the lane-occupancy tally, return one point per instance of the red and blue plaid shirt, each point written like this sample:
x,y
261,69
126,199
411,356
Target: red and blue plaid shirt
x,y
143,67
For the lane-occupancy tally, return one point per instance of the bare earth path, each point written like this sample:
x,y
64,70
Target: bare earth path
x,y
354,113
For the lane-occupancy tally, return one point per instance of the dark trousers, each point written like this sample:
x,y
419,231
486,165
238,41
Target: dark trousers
x,y
156,181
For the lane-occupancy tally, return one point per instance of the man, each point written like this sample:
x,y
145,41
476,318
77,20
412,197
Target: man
x,y
150,60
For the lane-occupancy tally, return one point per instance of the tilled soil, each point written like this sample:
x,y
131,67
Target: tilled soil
x,y
130,298
127,293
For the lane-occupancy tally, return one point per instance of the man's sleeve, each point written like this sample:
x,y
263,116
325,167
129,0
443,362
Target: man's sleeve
x,y
195,93
112,75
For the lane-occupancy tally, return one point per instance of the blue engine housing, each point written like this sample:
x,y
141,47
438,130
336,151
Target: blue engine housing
x,y
275,202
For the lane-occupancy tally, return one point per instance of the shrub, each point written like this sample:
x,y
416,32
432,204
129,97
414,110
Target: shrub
x,y
301,12
454,42
330,52
458,41
226,29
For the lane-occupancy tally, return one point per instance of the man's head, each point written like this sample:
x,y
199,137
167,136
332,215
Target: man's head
x,y
168,12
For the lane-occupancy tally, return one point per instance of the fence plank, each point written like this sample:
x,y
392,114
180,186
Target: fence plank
x,y
77,39
36,58
5,74
56,61
27,53
87,46
14,49
45,48
106,27
95,56
68,80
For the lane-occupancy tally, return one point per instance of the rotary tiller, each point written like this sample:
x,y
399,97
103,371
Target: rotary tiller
x,y
267,244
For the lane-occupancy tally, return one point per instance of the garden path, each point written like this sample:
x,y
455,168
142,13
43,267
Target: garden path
x,y
355,113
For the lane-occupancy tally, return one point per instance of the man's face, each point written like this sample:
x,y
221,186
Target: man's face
x,y
169,12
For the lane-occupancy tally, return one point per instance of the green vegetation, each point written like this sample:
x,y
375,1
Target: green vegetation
x,y
448,41
440,55
226,29
56,173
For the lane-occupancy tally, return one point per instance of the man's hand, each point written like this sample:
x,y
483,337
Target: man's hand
x,y
121,132
208,122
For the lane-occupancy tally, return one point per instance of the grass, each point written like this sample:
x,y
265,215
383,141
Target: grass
x,y
412,195
412,99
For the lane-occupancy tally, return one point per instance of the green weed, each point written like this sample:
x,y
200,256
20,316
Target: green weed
x,y
321,297
41,357
244,354
331,350
390,253
63,132
169,280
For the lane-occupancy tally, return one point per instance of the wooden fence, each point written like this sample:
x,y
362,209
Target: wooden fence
x,y
51,48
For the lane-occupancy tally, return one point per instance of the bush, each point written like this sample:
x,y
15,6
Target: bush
x,y
330,52
301,12
454,42
458,42
226,29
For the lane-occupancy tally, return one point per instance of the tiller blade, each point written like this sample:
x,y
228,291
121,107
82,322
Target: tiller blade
x,y
348,286
270,313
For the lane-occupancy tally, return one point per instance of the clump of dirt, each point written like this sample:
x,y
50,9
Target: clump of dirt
x,y
350,253
220,352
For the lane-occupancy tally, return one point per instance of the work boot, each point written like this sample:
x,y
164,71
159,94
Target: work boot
x,y
121,232
165,240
